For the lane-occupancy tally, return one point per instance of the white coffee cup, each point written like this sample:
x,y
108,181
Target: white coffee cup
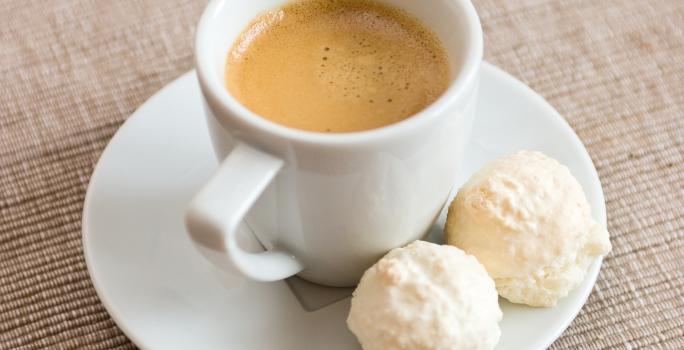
x,y
327,206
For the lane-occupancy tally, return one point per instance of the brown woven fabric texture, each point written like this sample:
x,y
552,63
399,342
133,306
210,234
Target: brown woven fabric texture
x,y
72,71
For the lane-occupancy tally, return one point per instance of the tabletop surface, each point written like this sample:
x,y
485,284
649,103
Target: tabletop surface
x,y
71,72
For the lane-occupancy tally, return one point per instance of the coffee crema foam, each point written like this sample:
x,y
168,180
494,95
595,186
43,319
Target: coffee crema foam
x,y
336,66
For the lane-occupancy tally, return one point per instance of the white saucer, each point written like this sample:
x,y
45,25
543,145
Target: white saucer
x,y
162,293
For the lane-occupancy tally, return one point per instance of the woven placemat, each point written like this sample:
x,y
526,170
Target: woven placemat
x,y
72,71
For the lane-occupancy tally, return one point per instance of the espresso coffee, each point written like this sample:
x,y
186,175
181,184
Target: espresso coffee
x,y
337,65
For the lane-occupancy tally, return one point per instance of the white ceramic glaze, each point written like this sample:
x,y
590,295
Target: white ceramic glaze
x,y
164,295
327,206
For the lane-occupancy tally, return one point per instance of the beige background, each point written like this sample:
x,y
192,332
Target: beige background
x,y
72,71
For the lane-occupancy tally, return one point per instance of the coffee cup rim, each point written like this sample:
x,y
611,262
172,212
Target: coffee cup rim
x,y
213,87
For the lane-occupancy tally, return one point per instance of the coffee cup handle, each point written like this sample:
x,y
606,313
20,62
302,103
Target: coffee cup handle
x,y
216,212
